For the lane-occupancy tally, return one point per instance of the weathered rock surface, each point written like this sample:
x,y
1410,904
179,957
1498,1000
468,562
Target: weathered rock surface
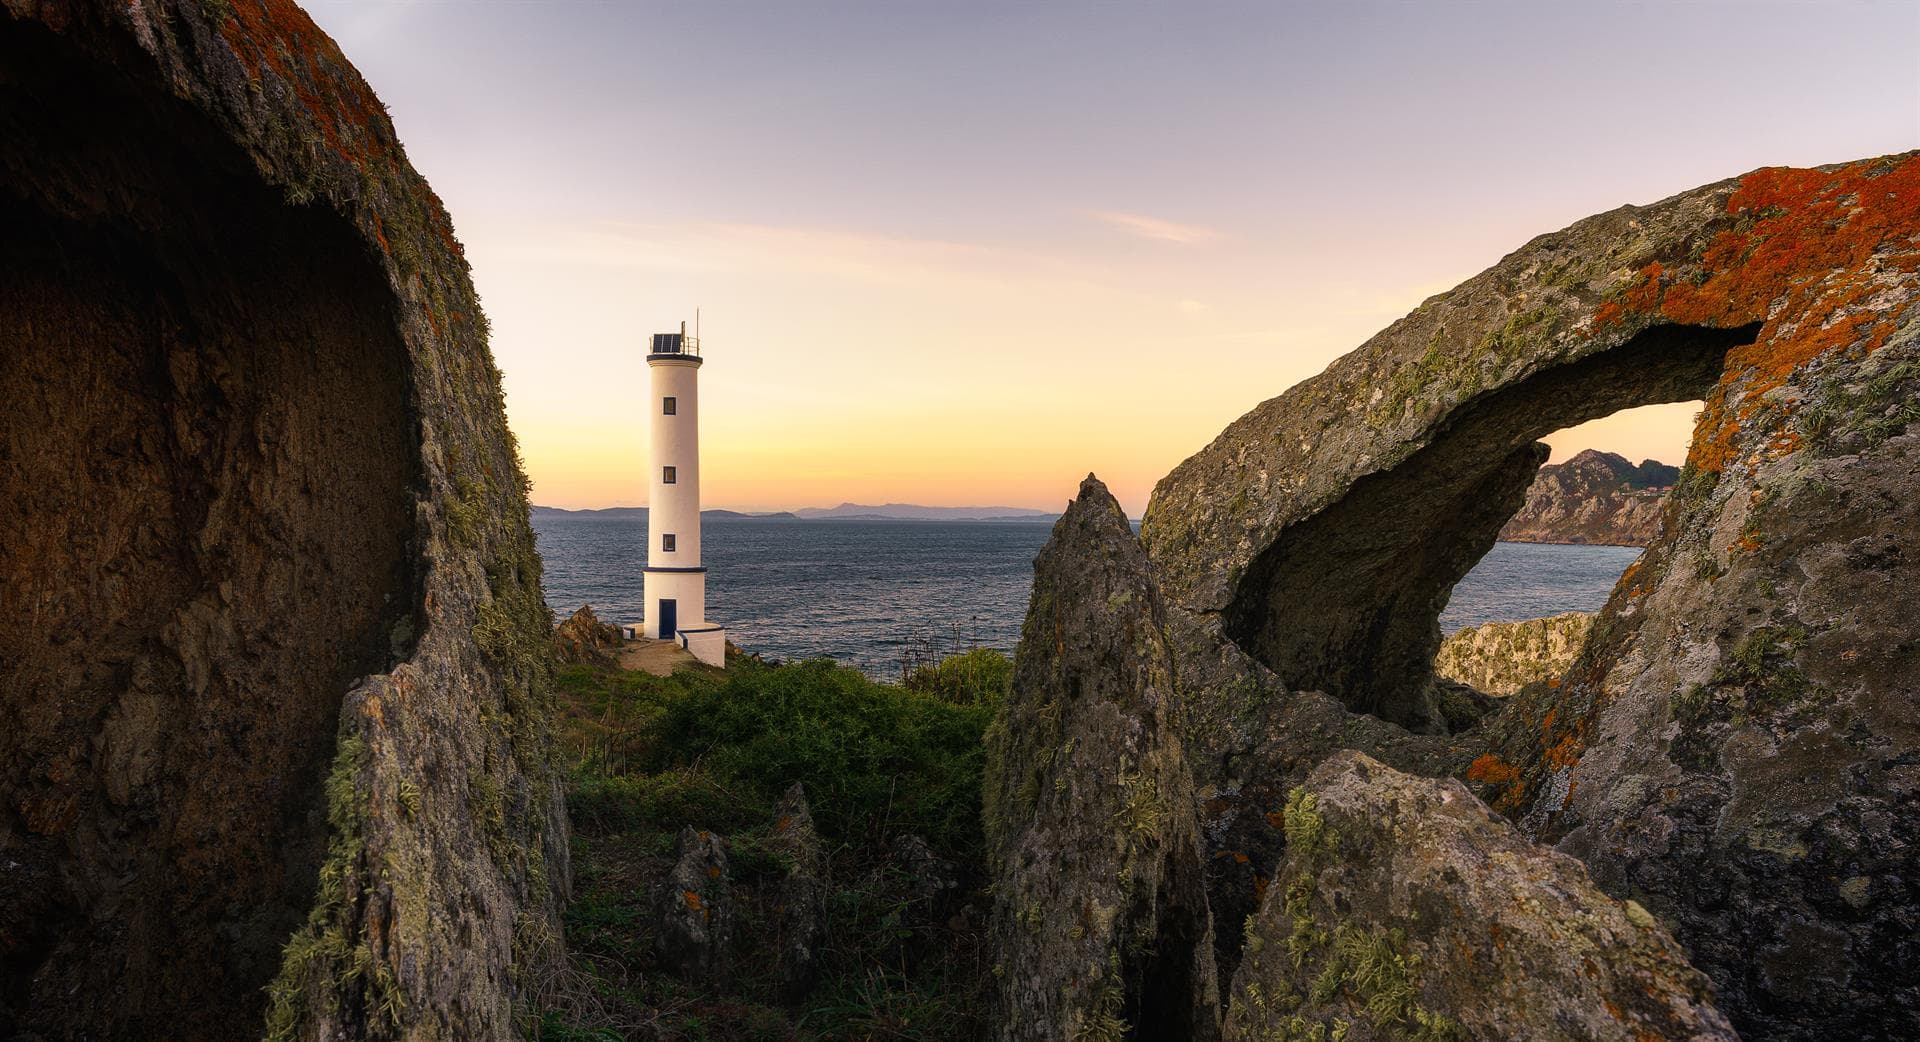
x,y
1404,909
1100,925
583,638
694,909
1735,746
800,903
273,700
1500,658
1595,497
931,879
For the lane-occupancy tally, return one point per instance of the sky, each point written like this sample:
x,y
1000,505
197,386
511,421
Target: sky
x,y
965,253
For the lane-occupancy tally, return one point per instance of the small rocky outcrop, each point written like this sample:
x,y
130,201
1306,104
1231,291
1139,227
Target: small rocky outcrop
x,y
693,929
274,688
1595,497
1404,909
1100,926
1500,658
930,878
584,639
800,900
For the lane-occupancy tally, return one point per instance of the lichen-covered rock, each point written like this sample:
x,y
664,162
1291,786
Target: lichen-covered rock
x,y
1405,910
583,638
1100,924
273,685
1500,658
1734,746
693,909
800,901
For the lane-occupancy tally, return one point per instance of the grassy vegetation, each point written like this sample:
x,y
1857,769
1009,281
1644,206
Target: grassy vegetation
x,y
716,751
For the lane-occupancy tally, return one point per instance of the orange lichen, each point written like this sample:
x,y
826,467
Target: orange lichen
x,y
1805,254
1629,584
1565,752
692,898
1491,770
277,36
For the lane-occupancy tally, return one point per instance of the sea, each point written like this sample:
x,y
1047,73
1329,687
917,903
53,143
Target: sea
x,y
883,595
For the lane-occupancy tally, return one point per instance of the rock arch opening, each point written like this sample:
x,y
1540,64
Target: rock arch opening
x,y
208,465
1348,601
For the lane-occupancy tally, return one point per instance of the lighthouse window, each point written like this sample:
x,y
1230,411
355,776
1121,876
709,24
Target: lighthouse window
x,y
669,475
666,542
669,406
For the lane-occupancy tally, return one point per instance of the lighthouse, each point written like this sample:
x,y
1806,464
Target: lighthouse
x,y
674,586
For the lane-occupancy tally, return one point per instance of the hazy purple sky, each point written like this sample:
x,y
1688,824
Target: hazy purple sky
x,y
944,251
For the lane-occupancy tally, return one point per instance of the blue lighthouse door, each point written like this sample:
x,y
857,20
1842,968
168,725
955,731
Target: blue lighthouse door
x,y
669,618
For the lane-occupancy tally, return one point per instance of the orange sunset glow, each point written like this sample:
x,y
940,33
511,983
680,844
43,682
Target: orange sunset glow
x,y
963,258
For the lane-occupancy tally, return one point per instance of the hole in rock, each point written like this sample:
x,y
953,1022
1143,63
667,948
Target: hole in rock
x,y
1348,601
207,470
1579,530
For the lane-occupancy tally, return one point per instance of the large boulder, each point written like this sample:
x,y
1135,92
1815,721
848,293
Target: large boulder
x,y
1404,909
1100,926
1734,747
273,682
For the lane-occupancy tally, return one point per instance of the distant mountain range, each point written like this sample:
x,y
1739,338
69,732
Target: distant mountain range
x,y
843,512
1595,497
641,513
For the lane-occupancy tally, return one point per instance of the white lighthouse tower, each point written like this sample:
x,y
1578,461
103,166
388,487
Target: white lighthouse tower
x,y
674,587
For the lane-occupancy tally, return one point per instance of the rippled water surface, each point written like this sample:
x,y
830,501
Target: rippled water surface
x,y
865,592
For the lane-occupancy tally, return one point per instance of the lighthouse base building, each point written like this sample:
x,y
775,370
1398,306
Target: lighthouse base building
x,y
674,586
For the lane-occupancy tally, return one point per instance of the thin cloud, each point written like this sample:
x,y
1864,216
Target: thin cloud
x,y
1154,228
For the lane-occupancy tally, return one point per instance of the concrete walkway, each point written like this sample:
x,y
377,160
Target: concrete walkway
x,y
659,657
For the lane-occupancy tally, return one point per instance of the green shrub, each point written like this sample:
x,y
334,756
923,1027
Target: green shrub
x,y
979,677
667,800
874,758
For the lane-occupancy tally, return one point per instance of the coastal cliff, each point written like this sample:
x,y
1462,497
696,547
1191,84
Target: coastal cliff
x,y
1595,497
